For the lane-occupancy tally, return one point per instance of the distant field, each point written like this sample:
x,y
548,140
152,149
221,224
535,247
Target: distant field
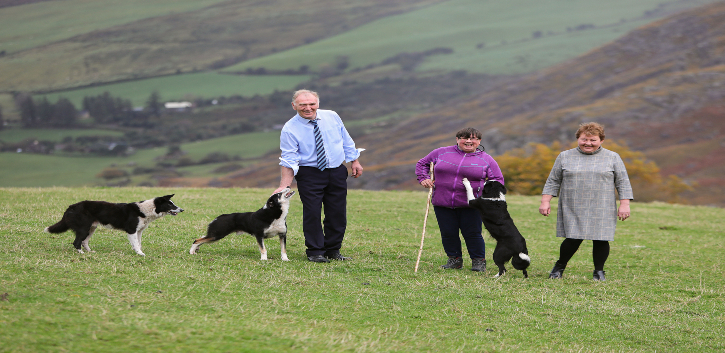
x,y
186,86
40,23
56,135
32,170
464,24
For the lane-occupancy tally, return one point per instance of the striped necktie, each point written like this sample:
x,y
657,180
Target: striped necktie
x,y
319,147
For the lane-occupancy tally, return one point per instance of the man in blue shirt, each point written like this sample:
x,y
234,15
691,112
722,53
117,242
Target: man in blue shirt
x,y
315,145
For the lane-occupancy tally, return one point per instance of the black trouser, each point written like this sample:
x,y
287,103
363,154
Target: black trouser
x,y
317,188
600,252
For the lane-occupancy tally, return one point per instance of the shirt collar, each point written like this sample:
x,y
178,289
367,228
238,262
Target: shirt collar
x,y
306,121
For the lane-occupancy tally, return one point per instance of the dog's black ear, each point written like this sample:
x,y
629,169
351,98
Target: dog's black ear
x,y
503,189
487,187
168,197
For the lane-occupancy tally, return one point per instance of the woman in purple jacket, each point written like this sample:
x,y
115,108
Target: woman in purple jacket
x,y
451,164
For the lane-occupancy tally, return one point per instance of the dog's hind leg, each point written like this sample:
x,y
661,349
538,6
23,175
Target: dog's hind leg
x,y
133,239
262,249
198,243
283,246
84,243
81,236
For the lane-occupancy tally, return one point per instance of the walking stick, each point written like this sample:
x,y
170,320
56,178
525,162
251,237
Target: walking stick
x,y
425,220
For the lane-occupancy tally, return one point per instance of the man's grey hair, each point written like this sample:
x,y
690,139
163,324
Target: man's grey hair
x,y
304,91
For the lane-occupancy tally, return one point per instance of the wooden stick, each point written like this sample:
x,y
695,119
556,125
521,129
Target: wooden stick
x,y
425,220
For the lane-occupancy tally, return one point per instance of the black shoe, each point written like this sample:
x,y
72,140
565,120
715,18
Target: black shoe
x,y
557,271
478,265
453,262
599,275
338,256
317,258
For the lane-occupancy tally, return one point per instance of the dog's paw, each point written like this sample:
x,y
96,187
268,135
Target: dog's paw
x,y
141,253
466,182
284,257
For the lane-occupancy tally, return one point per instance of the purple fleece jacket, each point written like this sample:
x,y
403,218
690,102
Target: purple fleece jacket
x,y
451,165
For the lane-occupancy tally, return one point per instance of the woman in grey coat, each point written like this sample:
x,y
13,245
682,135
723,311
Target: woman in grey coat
x,y
585,178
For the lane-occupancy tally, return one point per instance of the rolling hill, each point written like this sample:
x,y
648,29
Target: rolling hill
x,y
658,88
423,69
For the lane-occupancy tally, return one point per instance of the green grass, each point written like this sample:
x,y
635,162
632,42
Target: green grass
x,y
182,87
32,170
664,290
44,22
17,135
463,24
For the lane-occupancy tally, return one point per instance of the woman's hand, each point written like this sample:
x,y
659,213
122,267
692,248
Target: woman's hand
x,y
623,212
428,183
545,207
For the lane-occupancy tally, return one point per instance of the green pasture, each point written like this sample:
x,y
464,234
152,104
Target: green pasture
x,y
39,23
184,86
17,135
504,27
664,290
33,170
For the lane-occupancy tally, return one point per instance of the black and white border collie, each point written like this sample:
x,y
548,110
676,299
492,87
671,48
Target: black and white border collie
x,y
133,218
267,222
510,244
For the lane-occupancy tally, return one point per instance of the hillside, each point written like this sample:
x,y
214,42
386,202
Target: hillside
x,y
659,89
180,39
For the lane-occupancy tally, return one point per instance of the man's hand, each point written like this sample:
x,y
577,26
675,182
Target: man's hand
x,y
285,180
357,169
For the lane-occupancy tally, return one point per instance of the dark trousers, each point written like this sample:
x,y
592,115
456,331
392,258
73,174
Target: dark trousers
x,y
600,252
318,188
468,221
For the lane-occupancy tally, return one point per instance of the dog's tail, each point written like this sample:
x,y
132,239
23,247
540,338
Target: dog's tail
x,y
521,262
59,227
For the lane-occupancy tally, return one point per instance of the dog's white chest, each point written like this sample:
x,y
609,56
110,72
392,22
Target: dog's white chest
x,y
279,225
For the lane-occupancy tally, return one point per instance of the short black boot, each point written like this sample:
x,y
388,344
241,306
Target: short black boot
x,y
599,275
453,262
478,265
557,271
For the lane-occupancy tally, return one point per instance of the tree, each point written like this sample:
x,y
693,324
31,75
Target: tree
x,y
44,112
64,113
154,104
2,121
526,169
26,106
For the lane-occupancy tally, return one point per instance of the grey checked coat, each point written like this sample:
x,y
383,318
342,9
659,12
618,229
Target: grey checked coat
x,y
585,185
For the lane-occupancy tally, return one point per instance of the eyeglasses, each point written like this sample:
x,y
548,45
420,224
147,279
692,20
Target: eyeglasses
x,y
472,138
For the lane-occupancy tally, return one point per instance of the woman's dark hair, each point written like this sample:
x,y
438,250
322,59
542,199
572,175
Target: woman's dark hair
x,y
469,132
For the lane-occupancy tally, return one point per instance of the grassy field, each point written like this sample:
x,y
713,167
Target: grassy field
x,y
57,135
184,87
664,288
33,170
504,27
44,22
487,36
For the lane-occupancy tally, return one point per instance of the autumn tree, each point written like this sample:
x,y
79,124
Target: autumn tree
x,y
526,169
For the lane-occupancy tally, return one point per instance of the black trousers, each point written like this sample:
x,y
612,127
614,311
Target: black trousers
x,y
318,188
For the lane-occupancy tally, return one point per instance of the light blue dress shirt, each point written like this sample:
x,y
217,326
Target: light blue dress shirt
x,y
297,142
